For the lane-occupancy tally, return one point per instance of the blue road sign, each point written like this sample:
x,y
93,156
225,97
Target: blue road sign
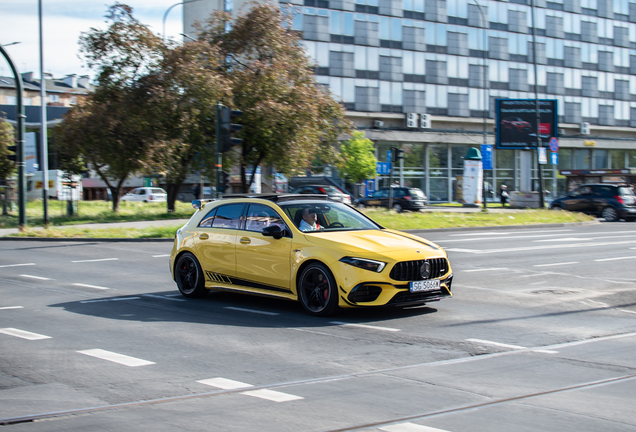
x,y
554,158
388,155
383,168
554,144
486,156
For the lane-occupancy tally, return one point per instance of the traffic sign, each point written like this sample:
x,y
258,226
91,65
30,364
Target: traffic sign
x,y
554,144
542,156
383,168
554,158
486,156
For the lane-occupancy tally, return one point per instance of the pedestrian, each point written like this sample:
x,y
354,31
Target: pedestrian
x,y
196,190
503,195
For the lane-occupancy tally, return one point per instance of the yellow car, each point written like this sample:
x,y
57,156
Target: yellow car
x,y
323,253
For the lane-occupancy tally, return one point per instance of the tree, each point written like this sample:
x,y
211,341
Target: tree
x,y
288,118
7,138
358,158
108,129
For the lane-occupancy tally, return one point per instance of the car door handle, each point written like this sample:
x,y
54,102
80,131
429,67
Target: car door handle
x,y
245,240
204,236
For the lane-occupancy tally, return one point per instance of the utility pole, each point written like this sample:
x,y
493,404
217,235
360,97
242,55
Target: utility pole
x,y
536,101
219,154
44,160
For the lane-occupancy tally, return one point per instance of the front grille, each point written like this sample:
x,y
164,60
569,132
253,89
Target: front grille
x,y
410,270
364,293
405,297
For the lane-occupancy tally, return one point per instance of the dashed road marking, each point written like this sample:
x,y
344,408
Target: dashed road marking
x,y
615,259
90,286
161,256
116,358
163,297
96,260
17,265
11,307
516,347
107,300
224,384
36,277
23,334
340,323
409,427
556,264
251,311
272,395
486,269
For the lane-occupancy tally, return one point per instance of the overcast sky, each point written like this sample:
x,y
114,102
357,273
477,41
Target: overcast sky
x,y
63,22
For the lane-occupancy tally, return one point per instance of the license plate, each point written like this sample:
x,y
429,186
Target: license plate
x,y
425,285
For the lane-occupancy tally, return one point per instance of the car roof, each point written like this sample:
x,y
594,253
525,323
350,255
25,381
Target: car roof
x,y
280,197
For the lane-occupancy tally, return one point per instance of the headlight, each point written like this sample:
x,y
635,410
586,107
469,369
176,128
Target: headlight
x,y
367,264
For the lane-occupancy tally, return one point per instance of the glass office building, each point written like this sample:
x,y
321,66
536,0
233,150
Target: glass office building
x,y
451,59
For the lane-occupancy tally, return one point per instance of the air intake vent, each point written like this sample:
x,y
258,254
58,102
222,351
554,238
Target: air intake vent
x,y
412,270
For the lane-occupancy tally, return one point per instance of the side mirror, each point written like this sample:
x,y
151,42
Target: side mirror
x,y
272,231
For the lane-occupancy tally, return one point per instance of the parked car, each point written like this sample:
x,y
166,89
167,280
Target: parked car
x,y
610,201
146,194
331,191
516,124
404,198
254,245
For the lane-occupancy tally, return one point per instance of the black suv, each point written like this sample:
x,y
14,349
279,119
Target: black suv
x,y
404,198
612,202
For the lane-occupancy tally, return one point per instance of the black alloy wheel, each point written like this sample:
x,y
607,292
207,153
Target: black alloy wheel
x,y
317,290
610,214
189,276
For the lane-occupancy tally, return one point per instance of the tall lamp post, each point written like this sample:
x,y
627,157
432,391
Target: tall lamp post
x,y
44,161
165,15
486,87
19,116
536,102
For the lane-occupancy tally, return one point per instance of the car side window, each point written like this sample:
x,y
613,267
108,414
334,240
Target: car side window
x,y
260,216
142,191
206,222
377,194
228,216
399,193
605,191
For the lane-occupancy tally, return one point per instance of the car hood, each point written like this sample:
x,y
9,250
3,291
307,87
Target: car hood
x,y
383,242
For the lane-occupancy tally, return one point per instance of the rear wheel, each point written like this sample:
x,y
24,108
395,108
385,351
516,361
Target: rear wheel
x,y
610,214
189,276
317,290
556,207
397,208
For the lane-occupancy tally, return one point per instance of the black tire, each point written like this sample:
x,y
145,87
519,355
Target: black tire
x,y
610,214
397,207
317,290
556,207
189,276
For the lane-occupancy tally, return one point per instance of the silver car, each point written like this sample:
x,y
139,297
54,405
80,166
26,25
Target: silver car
x,y
146,194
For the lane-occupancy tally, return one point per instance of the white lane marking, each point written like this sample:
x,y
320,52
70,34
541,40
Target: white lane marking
x,y
517,347
628,311
461,250
224,384
163,297
116,358
486,269
23,334
585,239
340,323
36,277
409,427
96,260
503,233
107,300
11,307
555,264
615,259
125,298
251,310
173,295
272,395
16,265
496,238
90,286
546,247
160,256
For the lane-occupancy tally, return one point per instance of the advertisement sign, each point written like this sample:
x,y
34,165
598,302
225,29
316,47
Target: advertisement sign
x,y
472,181
486,156
30,153
516,123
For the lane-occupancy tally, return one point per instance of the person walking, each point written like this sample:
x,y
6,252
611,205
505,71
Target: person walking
x,y
503,195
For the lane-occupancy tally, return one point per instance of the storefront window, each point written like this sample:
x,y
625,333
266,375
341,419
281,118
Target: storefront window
x,y
438,189
438,156
458,154
413,155
565,159
617,159
600,159
582,159
631,158
383,147
505,159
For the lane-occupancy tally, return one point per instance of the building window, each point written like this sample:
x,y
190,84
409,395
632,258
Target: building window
x,y
366,32
621,90
476,76
589,86
436,72
621,36
617,159
541,53
458,105
572,112
475,17
599,158
413,38
341,64
436,10
391,68
606,115
555,83
572,57
414,101
606,61
54,98
582,159
368,99
315,27
391,7
588,32
518,79
517,21
554,27
498,48
457,43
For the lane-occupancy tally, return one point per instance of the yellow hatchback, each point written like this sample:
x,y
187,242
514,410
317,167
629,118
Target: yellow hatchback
x,y
323,253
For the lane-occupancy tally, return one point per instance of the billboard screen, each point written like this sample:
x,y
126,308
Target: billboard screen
x,y
516,122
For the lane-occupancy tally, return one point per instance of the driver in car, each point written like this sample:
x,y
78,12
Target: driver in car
x,y
309,221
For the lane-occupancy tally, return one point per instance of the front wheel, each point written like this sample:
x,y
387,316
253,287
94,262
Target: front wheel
x,y
610,214
556,207
397,208
317,290
189,276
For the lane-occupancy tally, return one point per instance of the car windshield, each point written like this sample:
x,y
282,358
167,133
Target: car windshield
x,y
416,193
329,217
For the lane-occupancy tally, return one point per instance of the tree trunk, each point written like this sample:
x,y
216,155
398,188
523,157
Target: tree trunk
x,y
173,190
116,192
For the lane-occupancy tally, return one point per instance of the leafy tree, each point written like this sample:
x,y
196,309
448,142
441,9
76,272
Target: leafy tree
x,y
358,161
288,118
7,138
108,129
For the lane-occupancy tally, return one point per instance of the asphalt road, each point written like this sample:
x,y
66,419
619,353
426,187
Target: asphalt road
x,y
539,336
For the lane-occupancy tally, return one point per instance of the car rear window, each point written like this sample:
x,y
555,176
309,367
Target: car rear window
x,y
157,191
625,191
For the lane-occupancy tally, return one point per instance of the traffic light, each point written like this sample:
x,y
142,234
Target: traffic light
x,y
13,157
225,182
396,154
228,129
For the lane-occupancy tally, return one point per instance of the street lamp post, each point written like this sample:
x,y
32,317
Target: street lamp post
x,y
536,102
44,161
20,141
486,88
165,15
